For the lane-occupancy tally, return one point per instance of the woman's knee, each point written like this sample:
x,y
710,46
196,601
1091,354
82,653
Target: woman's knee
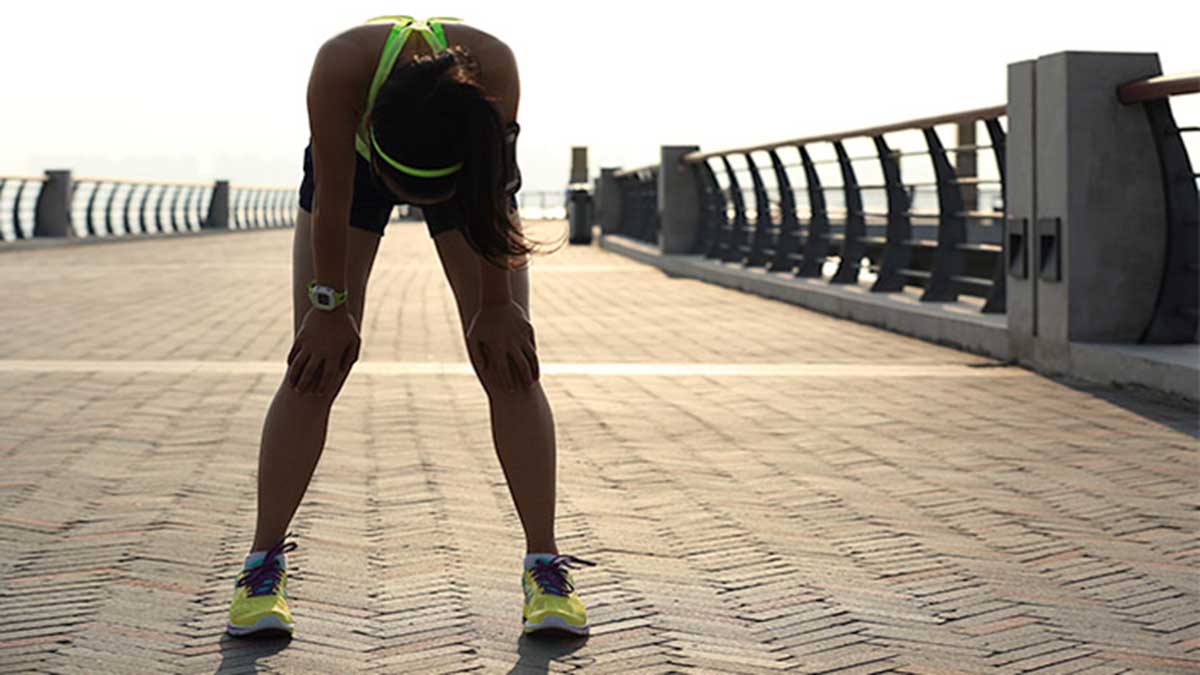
x,y
305,396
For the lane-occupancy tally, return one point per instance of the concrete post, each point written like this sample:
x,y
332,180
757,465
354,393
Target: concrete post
x,y
678,201
1020,209
608,201
52,213
579,164
1101,226
218,208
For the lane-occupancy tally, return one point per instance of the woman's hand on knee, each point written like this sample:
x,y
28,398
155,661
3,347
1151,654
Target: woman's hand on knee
x,y
325,348
502,347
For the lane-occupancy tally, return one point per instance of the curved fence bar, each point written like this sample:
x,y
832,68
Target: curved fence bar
x,y
542,204
18,196
813,216
262,206
113,207
639,202
59,205
1175,312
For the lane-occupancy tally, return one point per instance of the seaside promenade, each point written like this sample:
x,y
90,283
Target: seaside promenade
x,y
764,488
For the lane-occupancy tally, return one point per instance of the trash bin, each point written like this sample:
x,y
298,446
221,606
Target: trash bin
x,y
579,213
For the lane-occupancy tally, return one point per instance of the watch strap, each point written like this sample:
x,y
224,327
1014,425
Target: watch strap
x,y
339,297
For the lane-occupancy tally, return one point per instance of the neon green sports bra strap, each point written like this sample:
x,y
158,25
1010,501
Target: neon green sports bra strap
x,y
387,59
430,29
436,36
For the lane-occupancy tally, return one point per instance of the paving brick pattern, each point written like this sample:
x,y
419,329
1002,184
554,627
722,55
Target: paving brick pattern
x,y
996,521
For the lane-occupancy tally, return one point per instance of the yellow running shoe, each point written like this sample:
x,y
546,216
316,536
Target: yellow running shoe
x,y
550,600
260,596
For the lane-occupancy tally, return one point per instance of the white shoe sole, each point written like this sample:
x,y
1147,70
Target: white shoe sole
x,y
266,623
552,622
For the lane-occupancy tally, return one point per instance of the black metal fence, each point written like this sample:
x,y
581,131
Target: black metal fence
x,y
18,197
58,205
639,202
103,207
262,206
116,207
894,205
916,206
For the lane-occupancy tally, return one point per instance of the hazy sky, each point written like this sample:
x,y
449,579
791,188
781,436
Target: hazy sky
x,y
199,90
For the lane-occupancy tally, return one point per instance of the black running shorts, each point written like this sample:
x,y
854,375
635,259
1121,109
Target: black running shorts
x,y
371,204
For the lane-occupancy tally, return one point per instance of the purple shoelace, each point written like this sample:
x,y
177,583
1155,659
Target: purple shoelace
x,y
551,574
263,579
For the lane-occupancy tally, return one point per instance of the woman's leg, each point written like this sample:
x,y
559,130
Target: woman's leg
x,y
522,423
294,431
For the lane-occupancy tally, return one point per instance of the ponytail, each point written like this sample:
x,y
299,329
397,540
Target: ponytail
x,y
458,122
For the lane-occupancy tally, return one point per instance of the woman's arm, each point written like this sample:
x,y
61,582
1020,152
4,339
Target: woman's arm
x,y
500,79
333,88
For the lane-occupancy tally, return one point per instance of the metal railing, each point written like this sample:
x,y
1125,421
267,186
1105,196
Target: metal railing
x,y
542,204
898,208
257,206
1175,314
18,199
59,205
107,207
116,207
639,199
802,206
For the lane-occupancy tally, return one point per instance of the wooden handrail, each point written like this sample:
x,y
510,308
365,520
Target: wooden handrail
x,y
922,123
132,181
1159,87
626,172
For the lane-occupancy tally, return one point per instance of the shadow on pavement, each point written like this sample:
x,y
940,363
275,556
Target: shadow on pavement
x,y
1172,412
241,654
536,651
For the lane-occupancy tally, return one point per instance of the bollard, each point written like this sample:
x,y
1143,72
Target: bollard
x,y
579,214
218,208
678,201
52,213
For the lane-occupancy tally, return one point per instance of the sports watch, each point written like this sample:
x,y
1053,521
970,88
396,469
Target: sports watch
x,y
324,297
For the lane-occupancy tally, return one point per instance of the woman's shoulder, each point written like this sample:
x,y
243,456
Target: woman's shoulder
x,y
488,49
361,41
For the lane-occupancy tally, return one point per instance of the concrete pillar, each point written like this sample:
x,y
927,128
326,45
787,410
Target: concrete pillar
x,y
1100,223
52,213
1020,211
678,201
218,208
579,164
608,201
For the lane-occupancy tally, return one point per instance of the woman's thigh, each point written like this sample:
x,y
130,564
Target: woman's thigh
x,y
361,247
462,267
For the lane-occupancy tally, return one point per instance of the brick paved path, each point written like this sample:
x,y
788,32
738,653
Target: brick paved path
x,y
878,504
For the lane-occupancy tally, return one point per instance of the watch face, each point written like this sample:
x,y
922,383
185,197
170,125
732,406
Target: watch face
x,y
324,298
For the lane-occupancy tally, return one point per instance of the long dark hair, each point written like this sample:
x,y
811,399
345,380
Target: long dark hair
x,y
432,113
